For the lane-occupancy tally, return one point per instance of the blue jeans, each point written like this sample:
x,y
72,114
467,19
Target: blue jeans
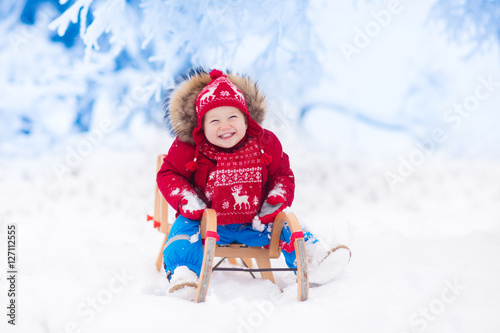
x,y
184,247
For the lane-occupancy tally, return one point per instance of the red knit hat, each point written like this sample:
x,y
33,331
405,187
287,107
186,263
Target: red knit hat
x,y
222,92
219,92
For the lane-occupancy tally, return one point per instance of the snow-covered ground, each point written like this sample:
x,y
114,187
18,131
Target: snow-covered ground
x,y
426,254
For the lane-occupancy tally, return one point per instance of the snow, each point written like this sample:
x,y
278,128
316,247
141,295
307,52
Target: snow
x,y
257,225
194,203
385,162
425,257
278,190
183,275
194,238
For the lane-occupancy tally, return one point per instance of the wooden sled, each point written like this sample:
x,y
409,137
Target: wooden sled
x,y
262,256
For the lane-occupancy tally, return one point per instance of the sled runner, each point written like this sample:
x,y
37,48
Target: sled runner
x,y
262,256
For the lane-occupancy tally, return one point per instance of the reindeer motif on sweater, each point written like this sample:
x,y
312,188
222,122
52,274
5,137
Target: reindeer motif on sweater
x,y
239,199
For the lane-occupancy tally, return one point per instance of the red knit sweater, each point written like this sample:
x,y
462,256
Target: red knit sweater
x,y
174,180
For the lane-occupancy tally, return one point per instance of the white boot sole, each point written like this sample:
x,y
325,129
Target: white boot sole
x,y
185,291
331,266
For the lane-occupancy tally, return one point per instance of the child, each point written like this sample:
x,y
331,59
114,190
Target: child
x,y
223,159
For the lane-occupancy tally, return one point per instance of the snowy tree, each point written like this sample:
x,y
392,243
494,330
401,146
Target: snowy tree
x,y
89,59
268,39
475,22
69,64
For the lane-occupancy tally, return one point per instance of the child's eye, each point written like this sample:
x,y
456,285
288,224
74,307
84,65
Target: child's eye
x,y
233,117
213,121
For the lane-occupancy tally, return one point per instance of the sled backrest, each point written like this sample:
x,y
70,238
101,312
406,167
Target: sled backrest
x,y
160,217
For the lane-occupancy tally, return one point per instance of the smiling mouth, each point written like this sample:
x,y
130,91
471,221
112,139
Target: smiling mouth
x,y
227,135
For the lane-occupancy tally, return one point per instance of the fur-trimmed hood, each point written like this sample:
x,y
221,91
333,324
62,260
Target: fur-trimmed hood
x,y
180,102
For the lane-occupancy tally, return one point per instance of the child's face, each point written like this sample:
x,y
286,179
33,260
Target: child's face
x,y
224,126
